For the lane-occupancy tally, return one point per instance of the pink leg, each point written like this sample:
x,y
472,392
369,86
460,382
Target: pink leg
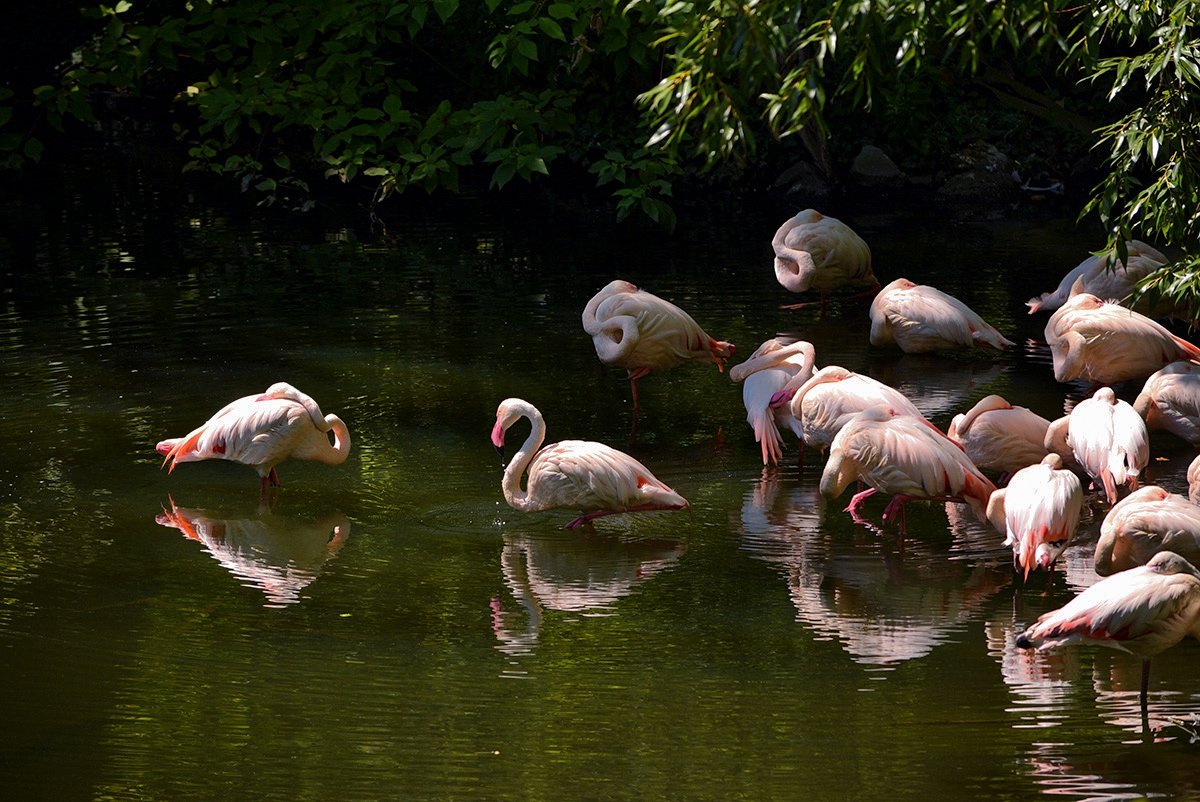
x,y
857,500
588,517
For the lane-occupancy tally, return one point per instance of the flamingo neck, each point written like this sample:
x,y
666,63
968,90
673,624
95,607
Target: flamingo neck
x,y
335,454
617,338
794,270
517,498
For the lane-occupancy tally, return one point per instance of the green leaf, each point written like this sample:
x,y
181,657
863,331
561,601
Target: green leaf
x,y
551,29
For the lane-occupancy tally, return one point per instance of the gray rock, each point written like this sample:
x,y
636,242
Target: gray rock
x,y
987,173
873,168
805,180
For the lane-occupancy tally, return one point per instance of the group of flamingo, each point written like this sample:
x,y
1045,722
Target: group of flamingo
x,y
1150,596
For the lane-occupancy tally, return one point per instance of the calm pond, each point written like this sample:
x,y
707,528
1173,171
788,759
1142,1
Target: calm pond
x,y
391,629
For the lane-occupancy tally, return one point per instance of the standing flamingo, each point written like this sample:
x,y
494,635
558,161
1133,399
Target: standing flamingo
x,y
1144,523
998,436
1105,343
834,395
263,431
575,474
641,332
904,456
1098,279
1142,611
816,252
920,319
1038,512
1108,439
773,368
1170,399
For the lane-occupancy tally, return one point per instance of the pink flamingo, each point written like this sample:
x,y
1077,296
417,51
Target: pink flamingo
x,y
1170,399
575,474
1038,512
1107,438
1142,611
1193,477
1097,279
920,319
773,368
1105,343
641,332
816,252
1144,523
263,431
904,456
998,436
833,396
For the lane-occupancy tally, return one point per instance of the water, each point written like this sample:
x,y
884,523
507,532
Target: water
x,y
390,629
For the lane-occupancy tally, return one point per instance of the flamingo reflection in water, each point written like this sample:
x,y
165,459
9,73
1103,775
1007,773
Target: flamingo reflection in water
x,y
881,610
571,575
275,554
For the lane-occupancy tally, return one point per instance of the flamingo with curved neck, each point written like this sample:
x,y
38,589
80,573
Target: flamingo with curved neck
x,y
263,431
575,474
641,332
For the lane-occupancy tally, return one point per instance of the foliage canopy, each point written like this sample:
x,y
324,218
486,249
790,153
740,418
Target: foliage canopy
x,y
412,93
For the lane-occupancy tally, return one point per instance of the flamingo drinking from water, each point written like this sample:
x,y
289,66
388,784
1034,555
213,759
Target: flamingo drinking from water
x,y
1144,523
904,456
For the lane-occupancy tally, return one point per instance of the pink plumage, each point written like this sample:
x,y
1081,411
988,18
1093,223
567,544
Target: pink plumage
x,y
262,431
575,474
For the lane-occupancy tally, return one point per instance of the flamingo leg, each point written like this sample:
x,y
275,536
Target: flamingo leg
x,y
588,517
857,500
1145,684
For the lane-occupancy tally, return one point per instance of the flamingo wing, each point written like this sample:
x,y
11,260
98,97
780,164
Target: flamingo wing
x,y
585,475
1142,610
253,430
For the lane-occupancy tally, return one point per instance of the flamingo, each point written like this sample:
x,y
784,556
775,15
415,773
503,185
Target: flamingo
x,y
833,396
1038,512
1107,438
1170,399
998,436
1142,611
1193,477
816,252
1105,343
773,368
575,474
1144,523
641,332
1099,280
919,319
904,456
263,431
